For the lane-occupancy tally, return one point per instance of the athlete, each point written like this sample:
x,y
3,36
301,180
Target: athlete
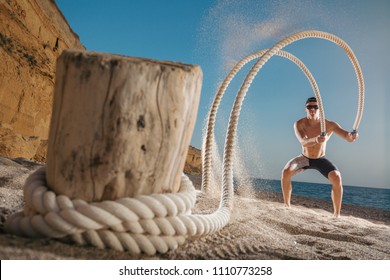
x,y
308,133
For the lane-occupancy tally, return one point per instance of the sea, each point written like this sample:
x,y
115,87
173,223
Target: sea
x,y
361,196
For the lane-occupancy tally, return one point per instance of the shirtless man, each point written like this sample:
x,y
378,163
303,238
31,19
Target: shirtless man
x,y
308,132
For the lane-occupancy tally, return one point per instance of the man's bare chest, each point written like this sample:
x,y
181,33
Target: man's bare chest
x,y
312,130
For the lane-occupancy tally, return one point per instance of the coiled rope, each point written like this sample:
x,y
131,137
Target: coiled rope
x,y
227,175
209,138
144,224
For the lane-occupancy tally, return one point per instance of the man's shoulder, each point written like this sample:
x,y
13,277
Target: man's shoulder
x,y
300,121
330,123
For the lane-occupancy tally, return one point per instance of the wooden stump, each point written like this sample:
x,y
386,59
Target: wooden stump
x,y
121,126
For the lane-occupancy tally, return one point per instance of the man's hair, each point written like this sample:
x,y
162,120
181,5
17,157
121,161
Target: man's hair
x,y
311,99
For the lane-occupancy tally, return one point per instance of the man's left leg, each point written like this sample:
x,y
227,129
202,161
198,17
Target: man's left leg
x,y
337,191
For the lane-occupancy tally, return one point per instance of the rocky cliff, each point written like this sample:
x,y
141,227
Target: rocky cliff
x,y
33,33
193,163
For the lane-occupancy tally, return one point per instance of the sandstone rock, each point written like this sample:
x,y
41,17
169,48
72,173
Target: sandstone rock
x,y
193,163
33,33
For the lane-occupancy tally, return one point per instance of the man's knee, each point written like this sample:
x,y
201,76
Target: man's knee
x,y
335,177
287,173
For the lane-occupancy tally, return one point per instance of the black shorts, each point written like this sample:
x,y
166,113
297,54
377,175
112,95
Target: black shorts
x,y
301,163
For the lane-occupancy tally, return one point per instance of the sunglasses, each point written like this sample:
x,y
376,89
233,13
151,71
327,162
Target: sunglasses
x,y
308,107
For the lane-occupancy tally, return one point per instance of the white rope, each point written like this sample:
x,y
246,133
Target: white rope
x,y
209,139
142,224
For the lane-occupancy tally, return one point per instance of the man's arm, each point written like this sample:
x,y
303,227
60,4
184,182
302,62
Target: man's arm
x,y
302,137
346,135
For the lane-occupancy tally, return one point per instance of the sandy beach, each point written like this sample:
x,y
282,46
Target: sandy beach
x,y
260,228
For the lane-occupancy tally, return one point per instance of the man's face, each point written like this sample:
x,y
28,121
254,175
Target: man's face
x,y
312,109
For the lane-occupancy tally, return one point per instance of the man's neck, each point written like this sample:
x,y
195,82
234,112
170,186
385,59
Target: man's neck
x,y
313,120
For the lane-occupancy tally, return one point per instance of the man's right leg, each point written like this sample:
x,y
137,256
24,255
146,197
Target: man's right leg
x,y
293,167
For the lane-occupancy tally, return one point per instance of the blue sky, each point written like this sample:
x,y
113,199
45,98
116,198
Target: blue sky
x,y
216,34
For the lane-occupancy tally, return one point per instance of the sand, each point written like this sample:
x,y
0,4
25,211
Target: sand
x,y
260,228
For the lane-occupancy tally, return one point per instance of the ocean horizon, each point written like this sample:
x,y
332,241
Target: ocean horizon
x,y
354,195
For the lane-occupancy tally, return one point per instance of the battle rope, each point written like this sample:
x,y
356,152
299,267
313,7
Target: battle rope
x,y
209,138
227,175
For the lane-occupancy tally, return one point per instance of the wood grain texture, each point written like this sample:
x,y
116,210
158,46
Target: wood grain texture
x,y
121,126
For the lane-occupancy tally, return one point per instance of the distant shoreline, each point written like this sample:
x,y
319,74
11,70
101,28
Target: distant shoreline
x,y
369,213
